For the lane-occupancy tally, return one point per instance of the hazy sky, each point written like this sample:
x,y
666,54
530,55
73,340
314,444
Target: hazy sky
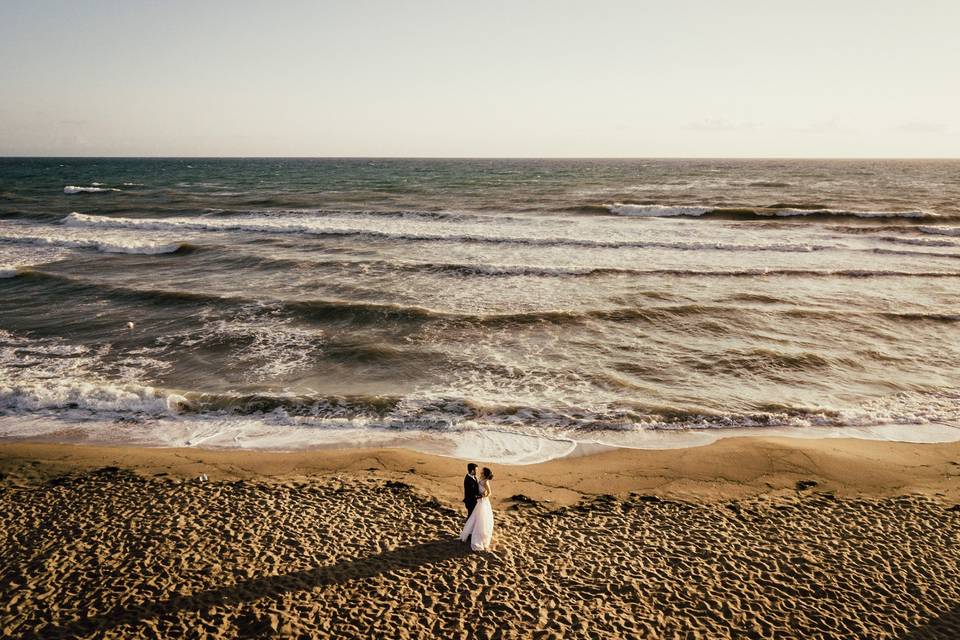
x,y
449,78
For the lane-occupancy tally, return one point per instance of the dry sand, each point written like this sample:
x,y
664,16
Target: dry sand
x,y
745,538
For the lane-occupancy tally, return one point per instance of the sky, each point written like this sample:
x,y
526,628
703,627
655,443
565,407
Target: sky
x,y
450,78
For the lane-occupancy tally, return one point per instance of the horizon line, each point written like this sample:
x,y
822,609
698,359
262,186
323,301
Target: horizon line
x,y
364,157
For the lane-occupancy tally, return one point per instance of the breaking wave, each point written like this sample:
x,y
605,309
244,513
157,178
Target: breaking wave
x,y
298,226
105,243
941,231
774,211
131,402
57,377
71,189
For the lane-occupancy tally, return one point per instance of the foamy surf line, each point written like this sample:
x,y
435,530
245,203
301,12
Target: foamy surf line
x,y
298,226
498,446
130,414
262,434
47,236
73,189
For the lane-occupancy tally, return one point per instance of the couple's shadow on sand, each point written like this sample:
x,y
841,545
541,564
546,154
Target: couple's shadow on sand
x,y
409,557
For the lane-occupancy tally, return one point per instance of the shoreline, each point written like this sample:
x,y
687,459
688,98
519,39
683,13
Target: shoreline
x,y
728,468
496,445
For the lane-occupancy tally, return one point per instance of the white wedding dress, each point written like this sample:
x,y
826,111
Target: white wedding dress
x,y
479,527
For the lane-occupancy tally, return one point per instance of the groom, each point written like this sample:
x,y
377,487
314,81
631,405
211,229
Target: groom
x,y
471,488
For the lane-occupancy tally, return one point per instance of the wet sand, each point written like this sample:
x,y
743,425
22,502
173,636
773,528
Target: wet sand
x,y
745,538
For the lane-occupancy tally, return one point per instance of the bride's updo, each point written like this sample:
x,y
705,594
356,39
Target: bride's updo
x,y
487,474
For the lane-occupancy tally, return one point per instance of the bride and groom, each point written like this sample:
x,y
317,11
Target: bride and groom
x,y
476,496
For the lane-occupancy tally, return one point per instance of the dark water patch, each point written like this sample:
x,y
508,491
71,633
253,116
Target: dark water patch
x,y
373,353
296,405
921,241
639,368
780,212
30,215
811,206
883,226
763,361
936,318
185,249
755,297
68,289
589,210
796,215
922,254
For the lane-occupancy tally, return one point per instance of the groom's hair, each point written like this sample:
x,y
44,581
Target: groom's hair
x,y
471,467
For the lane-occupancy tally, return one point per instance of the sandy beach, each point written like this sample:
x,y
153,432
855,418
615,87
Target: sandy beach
x,y
745,538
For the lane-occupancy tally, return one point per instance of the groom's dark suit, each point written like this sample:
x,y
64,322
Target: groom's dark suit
x,y
471,492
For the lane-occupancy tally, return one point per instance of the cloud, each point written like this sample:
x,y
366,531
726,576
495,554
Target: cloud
x,y
921,127
833,125
720,124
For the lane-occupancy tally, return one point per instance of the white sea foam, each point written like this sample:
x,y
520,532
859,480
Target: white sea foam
x,y
52,374
476,441
72,189
76,394
272,433
18,257
51,387
416,231
680,439
115,242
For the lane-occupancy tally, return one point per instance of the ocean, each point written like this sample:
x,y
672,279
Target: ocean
x,y
504,310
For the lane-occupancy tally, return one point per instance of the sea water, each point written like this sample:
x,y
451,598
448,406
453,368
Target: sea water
x,y
505,310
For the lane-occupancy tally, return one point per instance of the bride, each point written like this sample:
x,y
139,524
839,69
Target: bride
x,y
479,527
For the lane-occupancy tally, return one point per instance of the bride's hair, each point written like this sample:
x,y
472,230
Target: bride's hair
x,y
487,474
